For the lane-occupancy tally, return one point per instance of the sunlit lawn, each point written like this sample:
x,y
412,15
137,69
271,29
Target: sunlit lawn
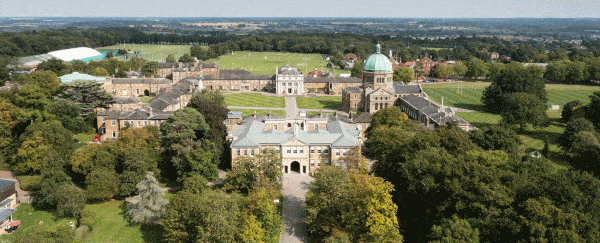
x,y
247,112
319,102
84,138
153,52
254,100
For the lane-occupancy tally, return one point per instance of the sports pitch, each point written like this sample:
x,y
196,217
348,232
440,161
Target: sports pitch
x,y
153,52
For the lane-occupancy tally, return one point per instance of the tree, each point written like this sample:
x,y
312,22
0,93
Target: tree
x,y
593,109
403,74
475,68
357,69
522,109
352,202
89,95
186,58
443,71
454,230
459,69
136,63
496,138
188,150
260,220
122,52
8,121
170,58
102,184
151,204
55,65
69,114
513,78
262,170
573,128
70,200
211,216
557,71
109,54
568,110
150,69
99,71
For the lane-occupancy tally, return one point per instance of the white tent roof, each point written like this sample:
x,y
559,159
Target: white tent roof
x,y
78,53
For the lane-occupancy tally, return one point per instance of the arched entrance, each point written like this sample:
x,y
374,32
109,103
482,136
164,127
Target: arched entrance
x,y
146,93
295,167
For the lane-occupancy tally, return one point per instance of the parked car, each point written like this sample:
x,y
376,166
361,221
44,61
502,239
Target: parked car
x,y
97,138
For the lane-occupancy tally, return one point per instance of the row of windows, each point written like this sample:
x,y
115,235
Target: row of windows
x,y
291,78
382,98
239,152
134,123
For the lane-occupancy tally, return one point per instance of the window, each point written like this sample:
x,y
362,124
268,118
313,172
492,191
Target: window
x,y
251,151
103,119
228,122
295,150
326,161
278,149
345,165
238,152
138,123
289,150
337,152
326,151
345,152
114,133
113,123
245,151
312,150
145,123
319,150
337,163
275,127
312,163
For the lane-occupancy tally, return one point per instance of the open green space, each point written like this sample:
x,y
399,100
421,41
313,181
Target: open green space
x,y
533,139
319,102
254,100
84,138
247,112
467,95
153,52
265,63
146,99
111,226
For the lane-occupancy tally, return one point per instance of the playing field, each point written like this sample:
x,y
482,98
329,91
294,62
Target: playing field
x,y
247,112
467,95
153,52
265,63
319,102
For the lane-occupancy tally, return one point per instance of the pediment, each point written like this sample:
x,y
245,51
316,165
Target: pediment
x,y
294,142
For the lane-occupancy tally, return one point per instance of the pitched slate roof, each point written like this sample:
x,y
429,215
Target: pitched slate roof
x,y
333,80
5,183
436,113
141,81
289,70
353,90
407,89
126,100
252,134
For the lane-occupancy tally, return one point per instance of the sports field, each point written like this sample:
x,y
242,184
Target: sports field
x,y
153,52
265,63
467,95
320,102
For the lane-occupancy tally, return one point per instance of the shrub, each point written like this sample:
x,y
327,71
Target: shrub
x,y
70,200
30,183
102,184
87,219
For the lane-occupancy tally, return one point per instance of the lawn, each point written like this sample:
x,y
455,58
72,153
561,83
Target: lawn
x,y
111,224
467,95
247,112
153,52
254,100
265,63
146,99
319,102
84,138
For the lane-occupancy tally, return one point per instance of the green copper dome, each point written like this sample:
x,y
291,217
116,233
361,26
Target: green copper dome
x,y
378,62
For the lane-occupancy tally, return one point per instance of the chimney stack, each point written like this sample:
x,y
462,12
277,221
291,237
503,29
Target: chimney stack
x,y
254,113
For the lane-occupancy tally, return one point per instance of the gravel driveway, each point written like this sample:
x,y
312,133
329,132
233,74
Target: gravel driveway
x,y
295,187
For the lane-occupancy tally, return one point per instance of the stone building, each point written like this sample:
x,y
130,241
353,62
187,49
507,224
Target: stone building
x,y
160,108
330,85
180,70
136,86
429,113
378,90
238,80
289,80
304,143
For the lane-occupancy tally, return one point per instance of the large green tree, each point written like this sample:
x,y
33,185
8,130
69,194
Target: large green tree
x,y
88,94
524,108
403,74
150,205
261,170
476,68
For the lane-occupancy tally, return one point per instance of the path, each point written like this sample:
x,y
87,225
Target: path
x,y
295,187
291,108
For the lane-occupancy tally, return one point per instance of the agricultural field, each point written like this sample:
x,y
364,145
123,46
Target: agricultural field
x,y
319,102
265,63
254,100
153,52
467,95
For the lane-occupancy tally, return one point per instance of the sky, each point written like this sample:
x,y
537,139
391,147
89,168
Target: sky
x,y
304,8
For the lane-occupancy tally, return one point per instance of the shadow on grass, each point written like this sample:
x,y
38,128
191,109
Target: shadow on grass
x,y
475,107
150,232
330,105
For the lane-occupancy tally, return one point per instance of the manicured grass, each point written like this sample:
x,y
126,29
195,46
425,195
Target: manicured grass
x,y
84,138
467,95
265,63
111,225
254,100
247,112
154,52
319,102
146,99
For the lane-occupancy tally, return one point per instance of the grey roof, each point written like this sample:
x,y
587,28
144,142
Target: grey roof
x,y
126,100
6,212
145,113
364,117
433,111
253,133
235,74
5,183
141,81
289,70
353,89
169,97
234,115
333,80
407,89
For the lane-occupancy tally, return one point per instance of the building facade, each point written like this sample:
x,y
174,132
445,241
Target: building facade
x,y
289,80
303,143
180,70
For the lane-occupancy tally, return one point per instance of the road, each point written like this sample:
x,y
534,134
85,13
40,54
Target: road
x,y
295,187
